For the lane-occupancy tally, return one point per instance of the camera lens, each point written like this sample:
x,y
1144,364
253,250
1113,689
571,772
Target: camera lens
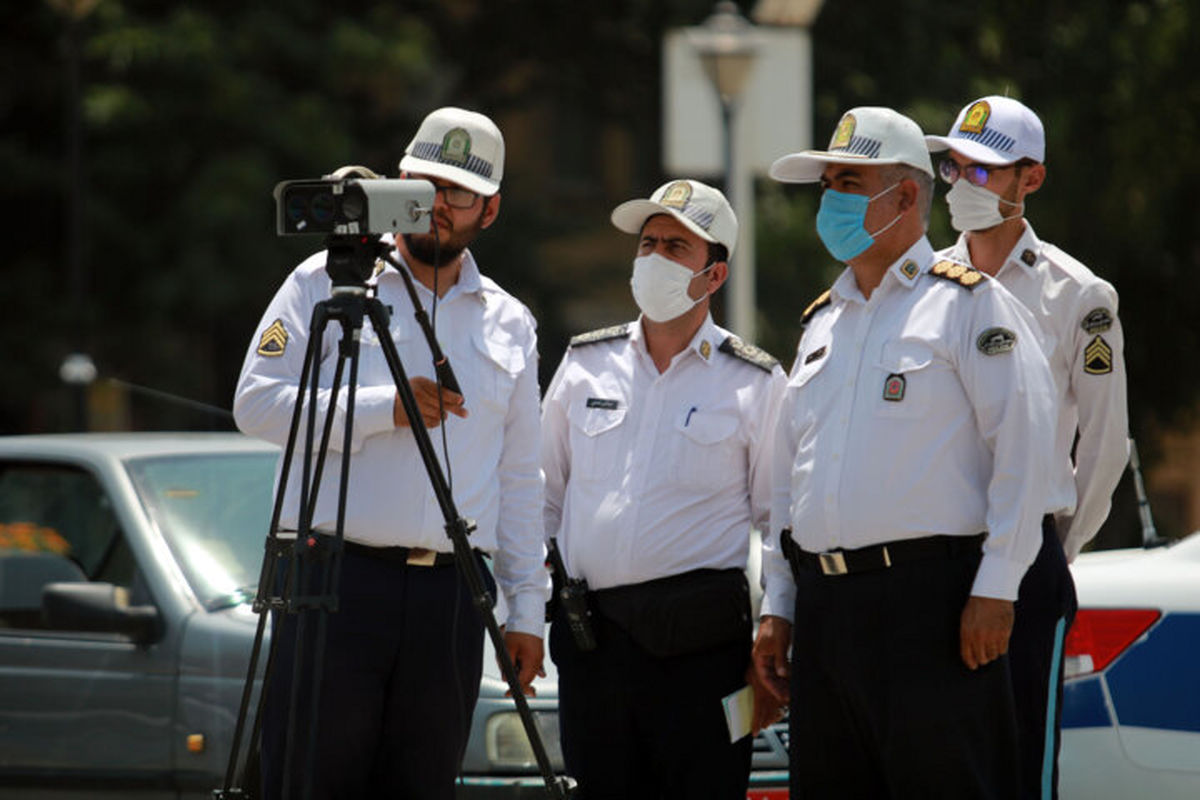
x,y
322,207
296,204
352,206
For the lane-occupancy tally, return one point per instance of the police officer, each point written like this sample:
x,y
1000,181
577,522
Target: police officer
x,y
997,149
403,659
911,456
656,452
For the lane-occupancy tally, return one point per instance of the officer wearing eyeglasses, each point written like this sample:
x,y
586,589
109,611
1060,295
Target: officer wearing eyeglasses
x,y
995,161
909,474
403,658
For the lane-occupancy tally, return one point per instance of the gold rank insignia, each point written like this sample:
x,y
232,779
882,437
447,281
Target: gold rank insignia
x,y
970,278
941,268
273,340
976,118
705,349
909,269
1098,357
677,195
844,133
952,271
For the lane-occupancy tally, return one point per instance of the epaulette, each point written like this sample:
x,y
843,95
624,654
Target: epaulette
x,y
816,305
602,335
958,273
749,353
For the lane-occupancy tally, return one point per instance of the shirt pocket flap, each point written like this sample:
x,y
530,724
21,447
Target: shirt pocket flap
x,y
706,427
815,361
509,358
594,420
902,355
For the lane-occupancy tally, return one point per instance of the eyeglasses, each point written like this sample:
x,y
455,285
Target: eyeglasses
x,y
978,174
456,196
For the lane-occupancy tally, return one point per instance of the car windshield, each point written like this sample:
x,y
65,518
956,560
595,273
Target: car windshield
x,y
214,510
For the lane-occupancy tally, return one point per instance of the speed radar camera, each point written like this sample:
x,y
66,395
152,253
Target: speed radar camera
x,y
352,200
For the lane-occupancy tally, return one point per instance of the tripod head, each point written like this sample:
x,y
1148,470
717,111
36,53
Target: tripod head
x,y
351,258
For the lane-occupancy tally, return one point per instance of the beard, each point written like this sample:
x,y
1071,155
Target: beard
x,y
424,247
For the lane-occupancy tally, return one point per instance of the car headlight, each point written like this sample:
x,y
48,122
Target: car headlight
x,y
508,747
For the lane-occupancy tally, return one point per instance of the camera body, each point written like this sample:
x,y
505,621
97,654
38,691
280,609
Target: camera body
x,y
340,206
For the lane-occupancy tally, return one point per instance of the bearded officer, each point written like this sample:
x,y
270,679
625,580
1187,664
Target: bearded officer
x,y
910,463
403,659
996,160
656,452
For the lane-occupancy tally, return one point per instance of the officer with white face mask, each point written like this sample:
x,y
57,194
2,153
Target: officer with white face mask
x,y
656,452
997,146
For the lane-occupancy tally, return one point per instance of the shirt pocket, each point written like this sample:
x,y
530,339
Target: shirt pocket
x,y
807,393
705,448
908,379
596,437
497,372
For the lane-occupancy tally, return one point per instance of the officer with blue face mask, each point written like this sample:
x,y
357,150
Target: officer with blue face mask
x,y
997,147
911,457
656,452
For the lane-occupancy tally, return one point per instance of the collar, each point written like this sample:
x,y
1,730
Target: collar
x,y
1027,250
905,271
704,343
470,281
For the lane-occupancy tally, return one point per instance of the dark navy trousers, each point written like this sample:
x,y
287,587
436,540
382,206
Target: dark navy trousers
x,y
882,704
402,663
1045,608
637,727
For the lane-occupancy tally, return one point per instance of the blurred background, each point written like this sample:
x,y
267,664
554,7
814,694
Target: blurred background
x,y
141,141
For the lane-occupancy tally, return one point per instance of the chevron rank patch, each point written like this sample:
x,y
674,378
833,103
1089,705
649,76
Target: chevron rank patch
x,y
1098,357
995,341
1098,320
273,340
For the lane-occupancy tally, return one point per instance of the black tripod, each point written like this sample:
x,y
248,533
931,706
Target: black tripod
x,y
350,261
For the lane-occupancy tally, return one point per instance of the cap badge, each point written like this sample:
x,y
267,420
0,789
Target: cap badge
x,y
456,146
677,195
705,349
844,133
273,341
909,269
976,118
893,388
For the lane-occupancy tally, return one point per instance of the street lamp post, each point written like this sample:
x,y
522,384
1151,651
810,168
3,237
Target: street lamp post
x,y
727,46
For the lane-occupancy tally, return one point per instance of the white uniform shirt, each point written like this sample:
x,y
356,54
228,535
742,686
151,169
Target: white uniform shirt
x,y
490,340
961,447
648,474
1082,338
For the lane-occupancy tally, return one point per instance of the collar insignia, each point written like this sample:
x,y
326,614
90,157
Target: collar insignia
x,y
705,349
1029,257
909,269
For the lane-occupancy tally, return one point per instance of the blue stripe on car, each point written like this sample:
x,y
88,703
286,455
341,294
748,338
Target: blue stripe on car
x,y
1153,684
1083,704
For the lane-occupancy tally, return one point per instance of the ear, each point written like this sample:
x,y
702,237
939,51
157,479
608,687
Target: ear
x,y
1032,178
907,193
491,207
717,276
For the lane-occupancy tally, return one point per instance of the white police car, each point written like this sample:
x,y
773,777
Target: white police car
x,y
1131,701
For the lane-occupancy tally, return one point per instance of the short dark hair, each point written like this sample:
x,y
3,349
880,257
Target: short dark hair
x,y
717,252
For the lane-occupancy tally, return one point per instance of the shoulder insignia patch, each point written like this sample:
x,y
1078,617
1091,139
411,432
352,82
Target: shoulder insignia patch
x,y
273,341
1098,320
749,353
1098,357
956,273
602,335
995,341
816,305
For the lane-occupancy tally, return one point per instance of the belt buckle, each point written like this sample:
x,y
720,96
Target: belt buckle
x,y
421,557
833,562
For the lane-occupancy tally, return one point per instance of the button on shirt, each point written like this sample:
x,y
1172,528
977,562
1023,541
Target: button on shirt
x,y
1082,339
896,424
649,474
490,340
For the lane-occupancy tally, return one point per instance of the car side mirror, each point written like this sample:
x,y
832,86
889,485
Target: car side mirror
x,y
97,607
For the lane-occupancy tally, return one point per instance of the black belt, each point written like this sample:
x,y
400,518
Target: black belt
x,y
876,557
413,556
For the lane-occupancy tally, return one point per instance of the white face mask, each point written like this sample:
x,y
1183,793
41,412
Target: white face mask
x,y
660,287
974,208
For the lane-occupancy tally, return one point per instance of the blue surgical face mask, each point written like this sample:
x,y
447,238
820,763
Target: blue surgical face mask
x,y
840,223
